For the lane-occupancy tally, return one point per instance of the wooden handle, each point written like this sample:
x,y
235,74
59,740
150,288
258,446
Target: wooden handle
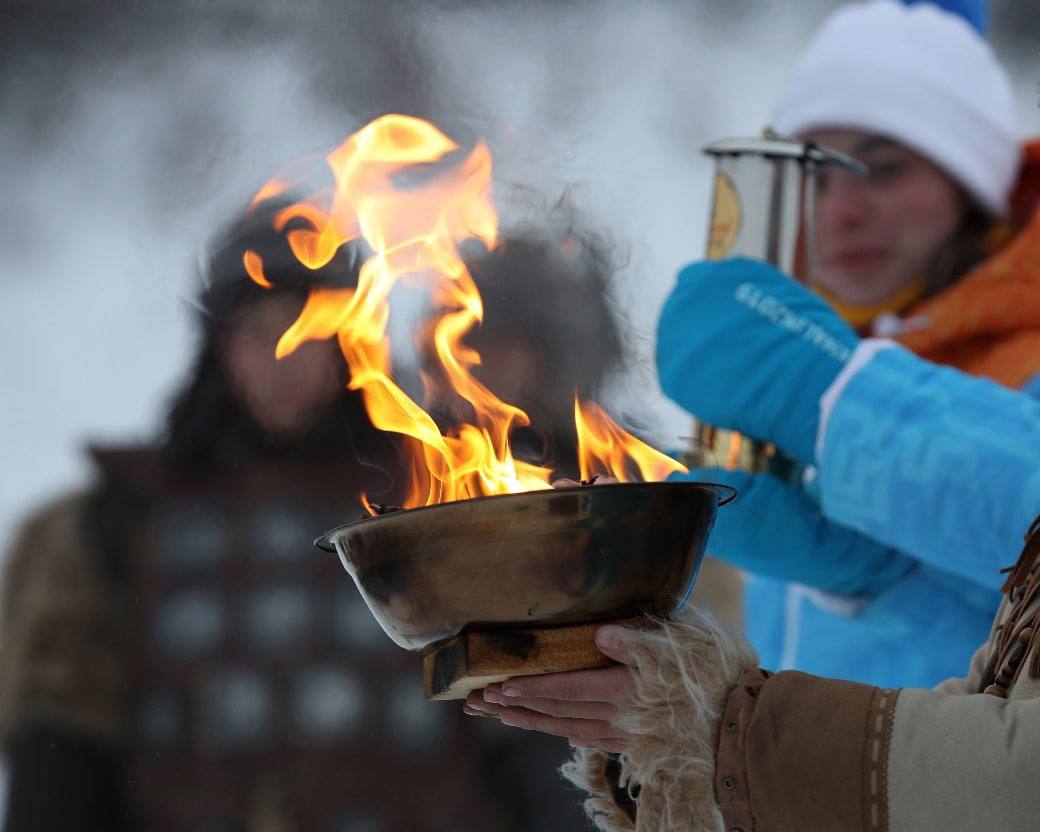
x,y
474,660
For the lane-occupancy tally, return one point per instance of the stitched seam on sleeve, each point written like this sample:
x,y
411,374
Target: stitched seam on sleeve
x,y
880,720
735,803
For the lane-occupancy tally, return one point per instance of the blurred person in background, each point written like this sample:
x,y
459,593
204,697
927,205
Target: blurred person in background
x,y
175,653
536,361
937,247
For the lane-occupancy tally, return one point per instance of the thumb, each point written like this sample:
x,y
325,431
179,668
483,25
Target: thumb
x,y
617,643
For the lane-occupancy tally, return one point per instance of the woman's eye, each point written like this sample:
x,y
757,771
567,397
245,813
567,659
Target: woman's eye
x,y
878,172
885,170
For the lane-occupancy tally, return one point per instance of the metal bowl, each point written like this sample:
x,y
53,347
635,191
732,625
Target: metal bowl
x,y
541,558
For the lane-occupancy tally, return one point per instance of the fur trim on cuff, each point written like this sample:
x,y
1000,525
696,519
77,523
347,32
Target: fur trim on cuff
x,y
597,774
686,667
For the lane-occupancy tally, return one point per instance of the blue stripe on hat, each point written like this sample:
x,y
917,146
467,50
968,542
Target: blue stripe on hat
x,y
976,12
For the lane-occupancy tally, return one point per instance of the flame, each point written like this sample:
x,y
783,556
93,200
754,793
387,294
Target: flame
x,y
272,188
603,446
254,266
402,188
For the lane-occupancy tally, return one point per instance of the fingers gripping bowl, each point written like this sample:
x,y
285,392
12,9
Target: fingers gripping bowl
x,y
542,558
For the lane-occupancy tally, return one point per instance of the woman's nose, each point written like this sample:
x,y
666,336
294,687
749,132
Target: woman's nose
x,y
842,203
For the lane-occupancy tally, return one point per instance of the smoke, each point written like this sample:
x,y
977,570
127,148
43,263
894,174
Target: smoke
x,y
611,106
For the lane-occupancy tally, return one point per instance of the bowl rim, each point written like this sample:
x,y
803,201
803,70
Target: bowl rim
x,y
725,494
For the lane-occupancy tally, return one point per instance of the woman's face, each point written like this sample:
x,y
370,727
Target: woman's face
x,y
281,395
876,234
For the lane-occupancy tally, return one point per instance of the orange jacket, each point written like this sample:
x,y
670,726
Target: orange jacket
x,y
988,323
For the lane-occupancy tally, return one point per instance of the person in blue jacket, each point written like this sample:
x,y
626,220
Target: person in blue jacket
x,y
822,595
686,733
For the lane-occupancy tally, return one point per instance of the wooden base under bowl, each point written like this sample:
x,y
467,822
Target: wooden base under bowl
x,y
474,660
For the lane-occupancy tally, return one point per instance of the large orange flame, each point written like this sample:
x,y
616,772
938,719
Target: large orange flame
x,y
400,188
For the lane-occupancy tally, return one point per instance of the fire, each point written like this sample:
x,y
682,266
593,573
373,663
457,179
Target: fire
x,y
603,446
274,187
407,191
254,266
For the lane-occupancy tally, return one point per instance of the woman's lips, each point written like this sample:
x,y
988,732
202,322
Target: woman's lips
x,y
855,260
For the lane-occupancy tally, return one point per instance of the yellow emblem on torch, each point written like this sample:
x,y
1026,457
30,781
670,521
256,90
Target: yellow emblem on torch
x,y
725,217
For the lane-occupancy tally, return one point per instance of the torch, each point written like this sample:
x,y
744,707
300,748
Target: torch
x,y
512,585
763,206
485,568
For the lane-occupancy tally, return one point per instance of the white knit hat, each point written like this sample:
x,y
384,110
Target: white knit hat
x,y
916,74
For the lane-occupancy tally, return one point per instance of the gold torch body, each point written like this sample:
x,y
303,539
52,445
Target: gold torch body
x,y
763,207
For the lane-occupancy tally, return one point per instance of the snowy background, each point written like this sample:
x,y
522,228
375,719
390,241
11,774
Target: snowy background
x,y
132,130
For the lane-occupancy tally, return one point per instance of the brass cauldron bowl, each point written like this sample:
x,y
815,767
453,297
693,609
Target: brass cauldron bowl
x,y
542,558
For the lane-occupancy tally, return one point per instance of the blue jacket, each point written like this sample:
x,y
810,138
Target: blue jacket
x,y
921,630
925,626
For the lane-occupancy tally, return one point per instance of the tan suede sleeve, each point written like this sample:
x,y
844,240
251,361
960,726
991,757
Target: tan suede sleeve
x,y
813,753
59,659
964,762
819,755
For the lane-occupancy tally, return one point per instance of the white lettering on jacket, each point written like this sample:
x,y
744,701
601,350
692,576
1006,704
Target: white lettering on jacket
x,y
774,311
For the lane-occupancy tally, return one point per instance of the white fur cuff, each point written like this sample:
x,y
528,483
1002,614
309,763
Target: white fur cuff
x,y
686,667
